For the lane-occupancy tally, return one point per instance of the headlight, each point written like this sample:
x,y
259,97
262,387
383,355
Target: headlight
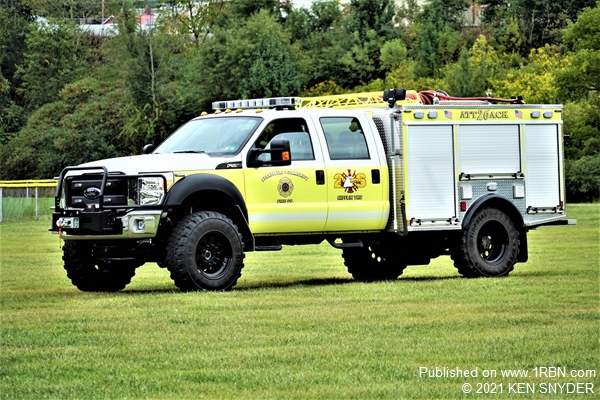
x,y
152,189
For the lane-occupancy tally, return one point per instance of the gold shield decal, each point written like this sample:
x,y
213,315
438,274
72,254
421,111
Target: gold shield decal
x,y
285,187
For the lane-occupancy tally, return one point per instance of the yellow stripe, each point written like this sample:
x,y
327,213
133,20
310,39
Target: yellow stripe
x,y
29,183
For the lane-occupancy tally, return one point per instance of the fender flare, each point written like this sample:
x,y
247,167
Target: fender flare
x,y
194,185
203,182
503,204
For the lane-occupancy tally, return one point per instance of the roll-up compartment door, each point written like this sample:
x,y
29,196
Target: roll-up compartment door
x,y
542,174
430,172
489,149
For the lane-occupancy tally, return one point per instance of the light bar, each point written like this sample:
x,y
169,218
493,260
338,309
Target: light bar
x,y
257,103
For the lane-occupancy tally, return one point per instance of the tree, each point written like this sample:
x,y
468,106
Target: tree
x,y
581,75
579,83
192,19
534,79
372,15
582,179
322,42
82,125
438,38
15,19
75,11
254,60
140,59
246,9
461,78
53,59
540,21
470,76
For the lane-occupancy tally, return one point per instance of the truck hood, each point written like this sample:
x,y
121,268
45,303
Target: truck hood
x,y
150,163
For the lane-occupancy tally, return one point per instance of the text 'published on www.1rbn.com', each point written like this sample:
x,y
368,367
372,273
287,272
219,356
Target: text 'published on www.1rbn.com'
x,y
550,380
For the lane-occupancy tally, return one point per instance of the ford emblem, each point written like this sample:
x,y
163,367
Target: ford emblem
x,y
91,193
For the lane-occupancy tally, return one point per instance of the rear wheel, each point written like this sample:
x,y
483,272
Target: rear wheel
x,y
91,274
205,252
373,262
488,246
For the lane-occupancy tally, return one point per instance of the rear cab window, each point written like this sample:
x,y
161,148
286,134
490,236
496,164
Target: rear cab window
x,y
345,138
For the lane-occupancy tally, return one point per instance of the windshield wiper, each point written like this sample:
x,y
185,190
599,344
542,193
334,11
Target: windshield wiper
x,y
190,151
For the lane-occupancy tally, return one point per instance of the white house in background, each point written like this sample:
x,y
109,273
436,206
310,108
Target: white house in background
x,y
146,20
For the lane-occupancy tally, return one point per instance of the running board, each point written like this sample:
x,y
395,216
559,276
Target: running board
x,y
346,244
267,244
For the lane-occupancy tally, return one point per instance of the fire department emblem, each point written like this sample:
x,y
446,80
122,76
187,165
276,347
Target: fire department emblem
x,y
350,181
285,187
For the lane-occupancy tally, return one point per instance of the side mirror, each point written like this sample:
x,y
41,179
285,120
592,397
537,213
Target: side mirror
x,y
149,148
278,155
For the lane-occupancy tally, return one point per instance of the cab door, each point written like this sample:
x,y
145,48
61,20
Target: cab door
x,y
356,174
289,199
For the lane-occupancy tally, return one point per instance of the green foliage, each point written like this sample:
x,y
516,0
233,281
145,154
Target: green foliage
x,y
437,37
14,25
74,10
371,15
534,80
443,13
323,42
53,59
582,125
540,21
254,60
578,81
393,54
462,79
82,126
581,74
144,56
582,178
245,9
234,49
508,38
194,24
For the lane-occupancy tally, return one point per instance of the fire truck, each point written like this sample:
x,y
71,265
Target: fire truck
x,y
391,180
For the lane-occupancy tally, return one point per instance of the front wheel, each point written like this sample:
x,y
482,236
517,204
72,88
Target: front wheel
x,y
489,245
205,252
91,274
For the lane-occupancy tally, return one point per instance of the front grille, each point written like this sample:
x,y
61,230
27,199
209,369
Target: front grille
x,y
76,188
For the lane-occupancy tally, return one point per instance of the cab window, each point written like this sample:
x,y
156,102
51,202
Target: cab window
x,y
293,129
345,138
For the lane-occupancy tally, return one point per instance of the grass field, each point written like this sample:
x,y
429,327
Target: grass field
x,y
25,208
297,326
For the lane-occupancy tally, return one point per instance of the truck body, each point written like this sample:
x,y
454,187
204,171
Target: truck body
x,y
389,186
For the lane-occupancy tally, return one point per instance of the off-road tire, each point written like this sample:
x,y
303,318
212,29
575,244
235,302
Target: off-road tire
x,y
205,252
372,263
89,274
488,246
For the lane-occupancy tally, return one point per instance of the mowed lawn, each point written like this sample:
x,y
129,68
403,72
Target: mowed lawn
x,y
297,326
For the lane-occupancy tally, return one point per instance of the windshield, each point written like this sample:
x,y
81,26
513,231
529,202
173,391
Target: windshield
x,y
222,136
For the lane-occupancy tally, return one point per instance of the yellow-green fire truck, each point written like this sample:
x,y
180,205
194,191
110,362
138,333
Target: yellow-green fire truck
x,y
391,180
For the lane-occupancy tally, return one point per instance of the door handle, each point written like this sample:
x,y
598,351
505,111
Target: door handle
x,y
320,175
375,176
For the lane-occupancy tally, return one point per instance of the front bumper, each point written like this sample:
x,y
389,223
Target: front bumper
x,y
138,224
